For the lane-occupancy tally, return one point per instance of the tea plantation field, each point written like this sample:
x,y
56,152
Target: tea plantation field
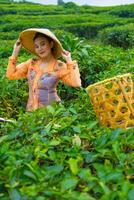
x,y
61,152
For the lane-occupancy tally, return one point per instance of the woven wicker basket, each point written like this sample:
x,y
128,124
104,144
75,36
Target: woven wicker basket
x,y
113,101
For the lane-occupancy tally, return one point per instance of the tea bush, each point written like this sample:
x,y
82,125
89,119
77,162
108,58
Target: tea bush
x,y
121,36
42,160
123,11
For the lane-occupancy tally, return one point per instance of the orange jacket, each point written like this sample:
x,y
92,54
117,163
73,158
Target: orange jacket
x,y
43,82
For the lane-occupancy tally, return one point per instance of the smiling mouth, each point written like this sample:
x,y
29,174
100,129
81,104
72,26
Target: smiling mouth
x,y
42,52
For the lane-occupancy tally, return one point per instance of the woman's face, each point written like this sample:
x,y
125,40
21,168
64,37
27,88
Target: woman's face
x,y
42,47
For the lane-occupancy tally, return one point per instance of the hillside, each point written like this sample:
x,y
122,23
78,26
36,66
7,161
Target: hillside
x,y
78,19
62,152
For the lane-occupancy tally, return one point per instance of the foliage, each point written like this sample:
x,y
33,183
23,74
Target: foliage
x,y
41,160
85,21
70,5
124,11
60,2
121,36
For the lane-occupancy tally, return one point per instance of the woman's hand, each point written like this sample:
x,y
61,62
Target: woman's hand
x,y
67,56
16,49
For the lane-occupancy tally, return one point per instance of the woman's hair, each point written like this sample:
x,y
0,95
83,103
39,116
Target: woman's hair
x,y
42,35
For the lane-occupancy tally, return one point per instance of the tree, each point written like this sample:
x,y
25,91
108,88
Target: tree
x,y
60,2
70,5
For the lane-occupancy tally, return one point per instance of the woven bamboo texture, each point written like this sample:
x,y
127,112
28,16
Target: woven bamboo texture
x,y
113,101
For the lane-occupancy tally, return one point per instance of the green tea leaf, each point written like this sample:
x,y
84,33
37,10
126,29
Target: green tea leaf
x,y
3,138
50,109
30,174
76,129
73,164
54,142
69,183
14,194
131,194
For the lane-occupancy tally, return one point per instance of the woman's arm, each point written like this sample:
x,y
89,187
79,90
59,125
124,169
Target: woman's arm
x,y
69,72
15,71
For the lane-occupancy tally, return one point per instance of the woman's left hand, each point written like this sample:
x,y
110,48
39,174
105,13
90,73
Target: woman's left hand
x,y
66,55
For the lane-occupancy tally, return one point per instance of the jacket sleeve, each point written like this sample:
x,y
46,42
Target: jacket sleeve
x,y
15,71
69,73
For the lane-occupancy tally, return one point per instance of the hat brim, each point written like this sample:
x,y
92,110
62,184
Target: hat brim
x,y
27,37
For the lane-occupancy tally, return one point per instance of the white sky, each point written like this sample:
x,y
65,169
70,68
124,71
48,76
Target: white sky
x,y
89,2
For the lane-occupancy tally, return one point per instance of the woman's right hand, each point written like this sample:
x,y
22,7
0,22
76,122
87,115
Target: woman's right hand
x,y
17,48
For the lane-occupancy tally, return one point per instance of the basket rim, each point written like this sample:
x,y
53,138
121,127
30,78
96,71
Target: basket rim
x,y
107,80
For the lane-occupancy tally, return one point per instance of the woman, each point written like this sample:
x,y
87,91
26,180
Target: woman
x,y
44,72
